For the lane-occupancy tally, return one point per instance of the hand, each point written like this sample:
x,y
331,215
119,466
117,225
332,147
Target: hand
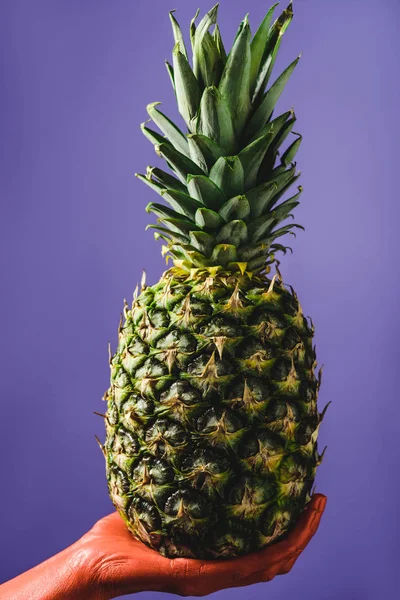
x,y
108,562
121,565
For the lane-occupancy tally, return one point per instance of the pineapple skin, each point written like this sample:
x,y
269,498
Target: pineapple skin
x,y
212,420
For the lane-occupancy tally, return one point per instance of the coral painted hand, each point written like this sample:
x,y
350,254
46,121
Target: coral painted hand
x,y
108,562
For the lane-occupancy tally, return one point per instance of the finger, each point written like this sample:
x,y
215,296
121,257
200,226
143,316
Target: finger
x,y
308,523
289,565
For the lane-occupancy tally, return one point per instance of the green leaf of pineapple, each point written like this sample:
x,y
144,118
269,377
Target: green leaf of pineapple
x,y
204,149
281,248
282,134
171,75
267,167
170,234
234,232
274,126
206,191
228,175
206,60
237,207
263,225
179,225
215,120
247,253
167,180
220,45
265,110
284,189
187,87
181,164
169,129
208,219
154,185
196,154
284,230
259,227
257,263
195,258
251,158
193,28
178,37
260,197
283,211
154,137
182,203
223,254
271,49
235,81
288,156
258,45
165,212
282,181
202,241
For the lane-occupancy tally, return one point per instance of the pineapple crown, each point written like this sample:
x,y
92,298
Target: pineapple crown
x,y
223,194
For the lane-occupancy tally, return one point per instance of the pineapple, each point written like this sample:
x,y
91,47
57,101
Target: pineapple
x,y
212,420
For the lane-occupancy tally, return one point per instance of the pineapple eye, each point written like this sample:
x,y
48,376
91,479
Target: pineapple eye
x,y
290,304
293,468
165,435
151,368
122,379
161,472
308,390
206,460
281,369
137,346
306,429
290,339
220,327
252,491
263,440
181,391
177,340
218,420
159,318
146,297
127,442
187,504
251,347
146,513
112,413
282,409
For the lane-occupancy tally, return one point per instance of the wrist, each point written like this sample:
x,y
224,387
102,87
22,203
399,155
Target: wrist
x,y
65,576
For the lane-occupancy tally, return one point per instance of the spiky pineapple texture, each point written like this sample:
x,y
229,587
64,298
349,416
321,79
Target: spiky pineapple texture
x,y
212,420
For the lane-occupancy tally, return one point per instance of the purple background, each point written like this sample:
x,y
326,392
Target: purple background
x,y
76,77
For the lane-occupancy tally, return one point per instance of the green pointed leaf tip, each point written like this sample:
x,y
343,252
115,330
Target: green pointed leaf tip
x,y
187,87
206,59
258,45
270,52
216,120
266,108
169,129
235,81
220,45
178,37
